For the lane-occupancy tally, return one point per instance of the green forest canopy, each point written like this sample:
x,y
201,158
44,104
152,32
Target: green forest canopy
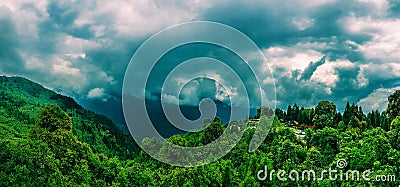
x,y
48,139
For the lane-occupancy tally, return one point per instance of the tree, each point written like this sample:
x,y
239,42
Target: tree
x,y
324,114
376,118
355,124
385,122
347,114
312,114
295,112
395,125
326,141
301,117
342,126
54,127
25,161
289,153
52,117
289,113
280,113
371,121
178,140
325,107
213,131
360,114
395,133
337,118
323,120
263,111
393,109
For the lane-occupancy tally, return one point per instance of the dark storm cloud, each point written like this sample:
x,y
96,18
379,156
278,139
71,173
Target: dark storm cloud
x,y
271,24
344,50
10,59
347,83
265,25
394,8
306,92
62,17
308,72
348,86
291,90
60,21
108,36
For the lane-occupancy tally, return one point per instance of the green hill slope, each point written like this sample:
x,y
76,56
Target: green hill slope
x,y
21,99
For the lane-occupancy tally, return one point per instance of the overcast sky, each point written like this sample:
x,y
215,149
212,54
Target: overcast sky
x,y
82,48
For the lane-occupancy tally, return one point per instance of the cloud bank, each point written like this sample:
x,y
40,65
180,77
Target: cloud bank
x,y
344,51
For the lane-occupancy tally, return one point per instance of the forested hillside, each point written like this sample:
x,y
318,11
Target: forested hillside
x,y
21,101
48,139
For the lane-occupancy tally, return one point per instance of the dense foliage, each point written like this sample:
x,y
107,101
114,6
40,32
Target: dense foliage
x,y
48,139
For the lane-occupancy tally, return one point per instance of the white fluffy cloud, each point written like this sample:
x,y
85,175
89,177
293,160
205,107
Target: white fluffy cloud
x,y
140,18
386,37
377,100
96,93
